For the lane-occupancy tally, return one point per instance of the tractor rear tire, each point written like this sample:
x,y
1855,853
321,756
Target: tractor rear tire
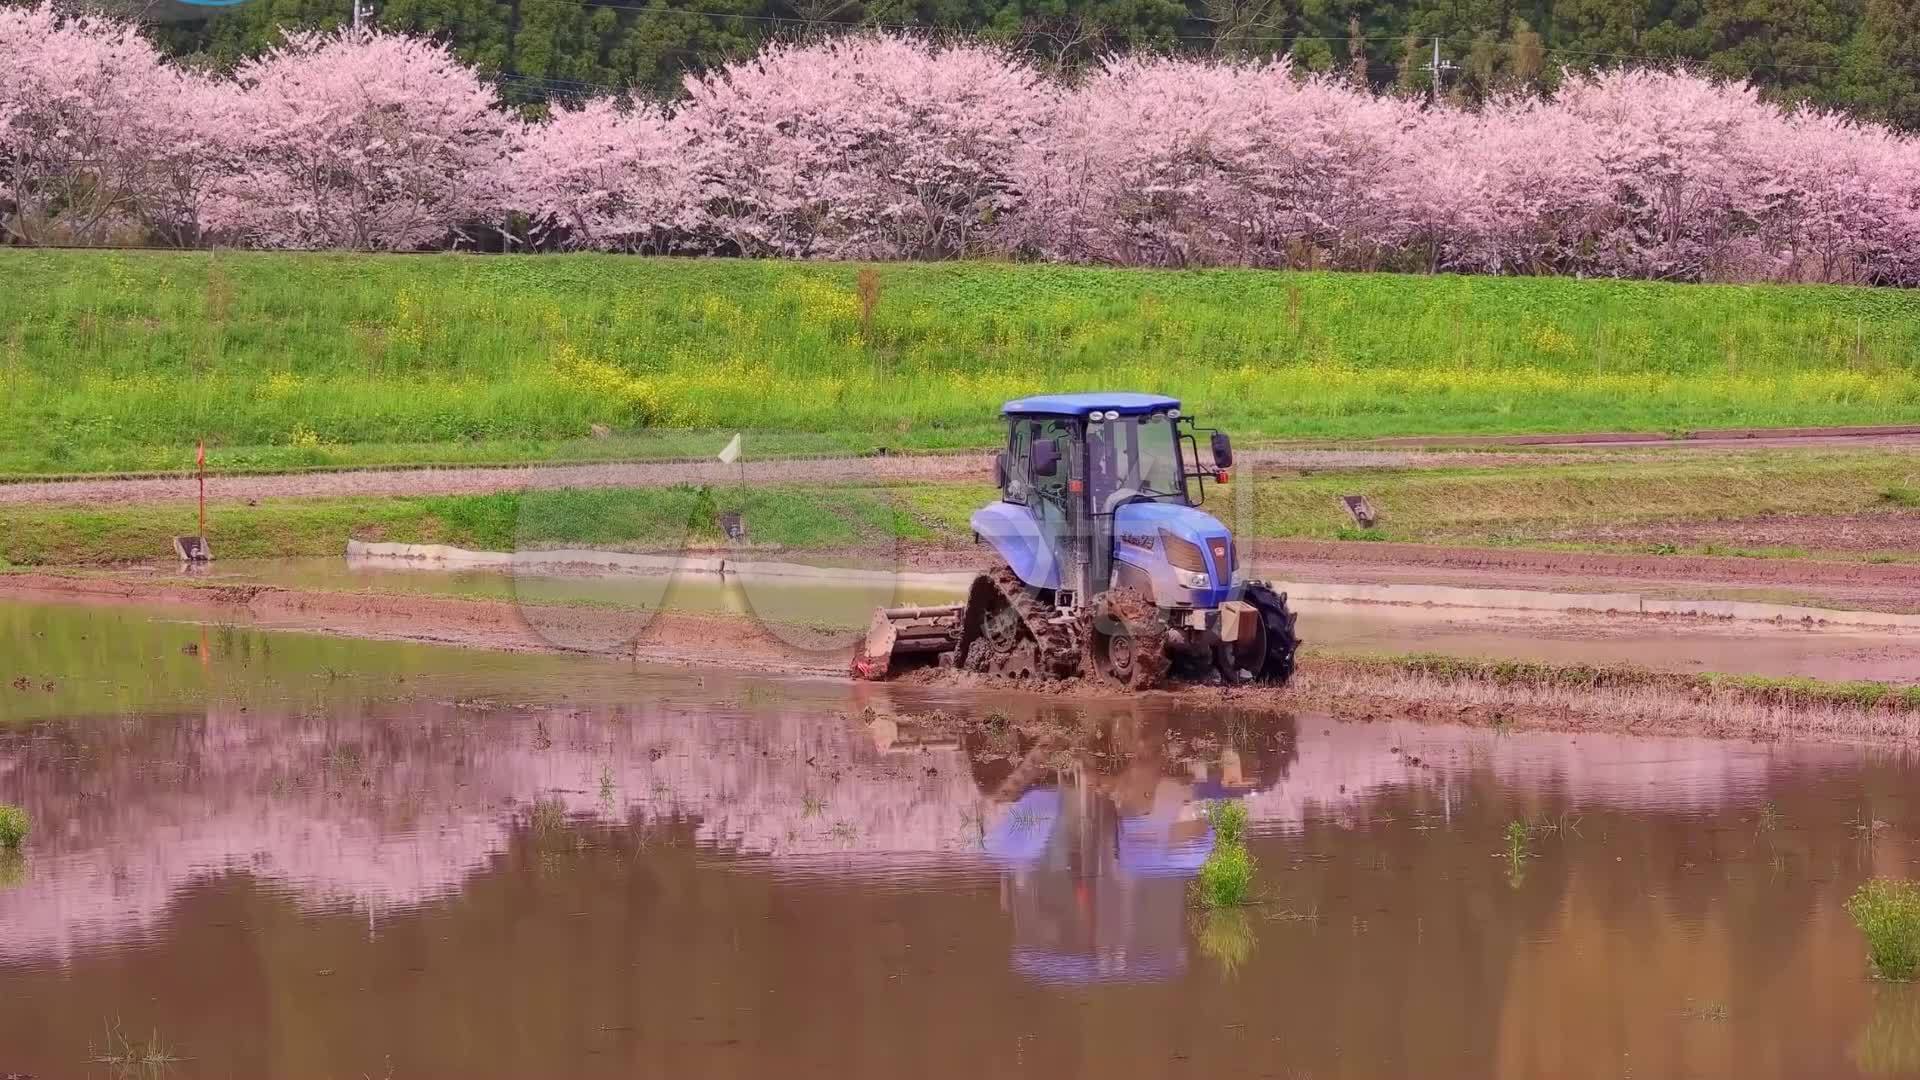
x,y
1278,643
1126,641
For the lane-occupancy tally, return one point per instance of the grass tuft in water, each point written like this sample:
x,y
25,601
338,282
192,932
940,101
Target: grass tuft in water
x,y
1229,821
1226,878
128,1058
756,695
1519,841
548,817
1887,911
1712,1011
14,827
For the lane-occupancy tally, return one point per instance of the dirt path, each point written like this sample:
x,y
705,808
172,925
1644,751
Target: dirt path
x,y
1848,585
895,469
1876,436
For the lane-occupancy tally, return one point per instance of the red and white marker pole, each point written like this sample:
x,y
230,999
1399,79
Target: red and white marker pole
x,y
200,465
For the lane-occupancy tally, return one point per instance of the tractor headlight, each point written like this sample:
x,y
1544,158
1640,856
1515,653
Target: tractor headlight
x,y
1183,554
1188,562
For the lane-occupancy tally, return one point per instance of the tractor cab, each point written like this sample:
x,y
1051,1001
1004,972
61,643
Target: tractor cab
x,y
1100,490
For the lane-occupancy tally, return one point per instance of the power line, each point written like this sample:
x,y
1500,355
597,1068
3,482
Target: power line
x,y
1691,60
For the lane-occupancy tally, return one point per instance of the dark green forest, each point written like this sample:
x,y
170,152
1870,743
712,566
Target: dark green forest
x,y
1863,55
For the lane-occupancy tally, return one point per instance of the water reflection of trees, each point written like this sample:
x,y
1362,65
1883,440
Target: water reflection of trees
x,y
1664,915
389,804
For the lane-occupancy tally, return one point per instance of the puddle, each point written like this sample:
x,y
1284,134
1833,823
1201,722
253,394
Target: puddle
x,y
290,855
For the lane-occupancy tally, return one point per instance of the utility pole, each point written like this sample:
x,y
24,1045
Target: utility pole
x,y
360,12
1439,69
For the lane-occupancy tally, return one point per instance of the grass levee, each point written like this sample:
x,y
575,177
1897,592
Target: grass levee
x,y
121,360
1755,689
1551,506
634,519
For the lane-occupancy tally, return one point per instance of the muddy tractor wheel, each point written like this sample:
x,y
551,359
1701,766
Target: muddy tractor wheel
x,y
1007,630
1269,656
1127,641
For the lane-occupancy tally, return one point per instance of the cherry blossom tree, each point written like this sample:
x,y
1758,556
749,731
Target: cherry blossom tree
x,y
1168,162
86,107
605,177
364,141
887,147
865,146
1841,202
1671,165
1508,188
1662,175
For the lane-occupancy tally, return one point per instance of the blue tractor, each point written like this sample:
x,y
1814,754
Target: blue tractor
x,y
1106,568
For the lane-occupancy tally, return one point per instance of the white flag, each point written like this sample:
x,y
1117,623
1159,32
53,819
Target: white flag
x,y
732,452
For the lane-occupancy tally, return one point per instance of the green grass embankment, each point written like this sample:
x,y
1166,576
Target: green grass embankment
x,y
1542,506
120,361
644,519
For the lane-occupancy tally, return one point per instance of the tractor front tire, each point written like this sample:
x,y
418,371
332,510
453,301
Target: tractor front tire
x,y
1277,643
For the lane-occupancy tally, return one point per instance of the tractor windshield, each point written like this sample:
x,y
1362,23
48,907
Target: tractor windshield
x,y
1133,456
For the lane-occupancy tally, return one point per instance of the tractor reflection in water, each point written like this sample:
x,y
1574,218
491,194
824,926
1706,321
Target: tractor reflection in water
x,y
1101,838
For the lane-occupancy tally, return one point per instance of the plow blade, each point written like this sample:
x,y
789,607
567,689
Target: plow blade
x,y
906,636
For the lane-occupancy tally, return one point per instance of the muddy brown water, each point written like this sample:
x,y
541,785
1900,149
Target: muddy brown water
x,y
276,854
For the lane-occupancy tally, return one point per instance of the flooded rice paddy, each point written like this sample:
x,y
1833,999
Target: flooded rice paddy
x,y
262,853
839,613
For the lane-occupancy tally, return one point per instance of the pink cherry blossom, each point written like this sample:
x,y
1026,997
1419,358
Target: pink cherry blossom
x,y
877,146
1165,162
90,121
866,146
607,178
372,141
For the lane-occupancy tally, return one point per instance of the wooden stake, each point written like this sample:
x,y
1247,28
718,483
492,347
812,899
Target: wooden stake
x,y
200,464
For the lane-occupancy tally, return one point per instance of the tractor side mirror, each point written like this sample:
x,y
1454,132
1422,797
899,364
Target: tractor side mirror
x,y
1000,470
1222,451
1045,458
